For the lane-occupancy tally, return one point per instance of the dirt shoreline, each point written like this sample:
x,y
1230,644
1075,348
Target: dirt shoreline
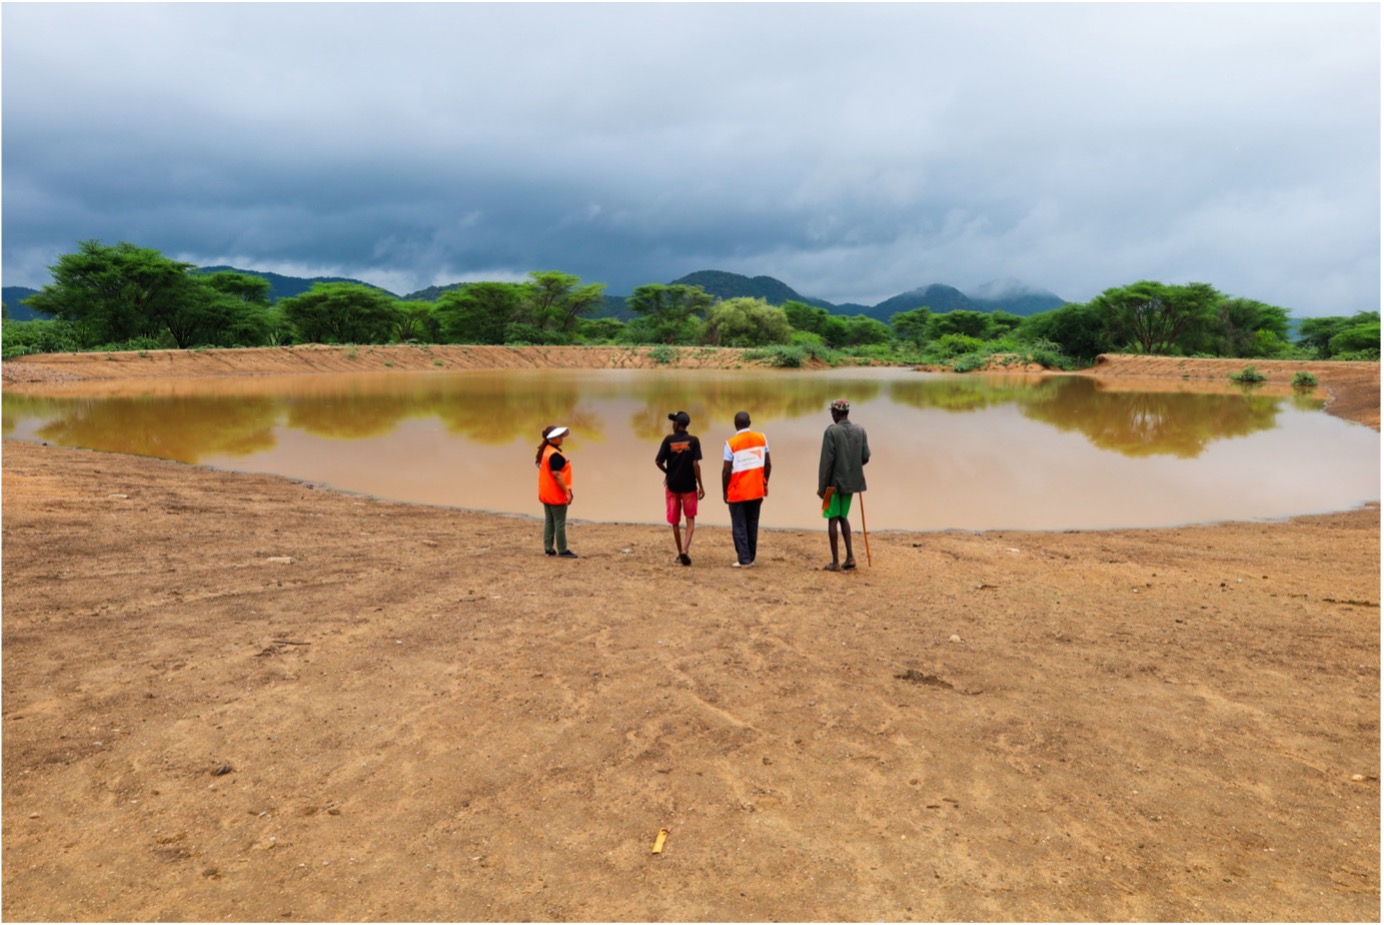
x,y
231,696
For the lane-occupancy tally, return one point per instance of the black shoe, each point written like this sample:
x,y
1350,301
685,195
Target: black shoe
x,y
550,552
567,554
685,559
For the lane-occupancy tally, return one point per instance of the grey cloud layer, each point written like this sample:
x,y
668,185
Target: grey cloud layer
x,y
854,151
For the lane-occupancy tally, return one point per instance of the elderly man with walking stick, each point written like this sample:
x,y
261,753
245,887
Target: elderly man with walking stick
x,y
840,476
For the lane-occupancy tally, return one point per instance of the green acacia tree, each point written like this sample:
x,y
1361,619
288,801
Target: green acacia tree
x,y
1247,328
247,287
553,303
418,321
960,321
1077,329
231,310
669,310
1358,340
116,293
1157,318
804,317
600,330
122,292
862,330
746,322
1334,334
343,313
1004,323
910,327
478,313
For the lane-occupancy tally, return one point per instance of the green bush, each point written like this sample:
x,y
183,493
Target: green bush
x,y
523,334
969,362
1302,380
950,346
887,353
1356,340
663,354
1048,355
134,344
1357,355
21,338
783,356
1248,376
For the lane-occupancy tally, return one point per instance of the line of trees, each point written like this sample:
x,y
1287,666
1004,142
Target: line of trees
x,y
129,297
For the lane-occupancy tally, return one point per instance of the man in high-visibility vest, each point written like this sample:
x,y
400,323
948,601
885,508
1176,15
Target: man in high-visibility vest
x,y
744,486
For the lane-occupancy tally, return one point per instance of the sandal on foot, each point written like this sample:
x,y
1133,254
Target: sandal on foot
x,y
850,564
831,567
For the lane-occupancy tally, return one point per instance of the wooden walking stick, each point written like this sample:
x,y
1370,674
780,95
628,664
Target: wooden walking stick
x,y
865,532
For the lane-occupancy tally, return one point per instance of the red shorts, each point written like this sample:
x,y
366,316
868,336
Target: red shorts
x,y
680,503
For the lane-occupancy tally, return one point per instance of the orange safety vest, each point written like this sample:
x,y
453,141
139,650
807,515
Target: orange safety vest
x,y
551,488
747,466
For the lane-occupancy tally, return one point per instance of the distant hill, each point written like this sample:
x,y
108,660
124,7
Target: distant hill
x,y
285,287
1017,298
937,297
725,285
432,293
1009,296
614,306
12,296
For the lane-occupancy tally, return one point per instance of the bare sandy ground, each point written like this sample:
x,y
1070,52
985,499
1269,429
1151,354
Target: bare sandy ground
x,y
235,697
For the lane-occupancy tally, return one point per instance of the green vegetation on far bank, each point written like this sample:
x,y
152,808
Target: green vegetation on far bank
x,y
125,297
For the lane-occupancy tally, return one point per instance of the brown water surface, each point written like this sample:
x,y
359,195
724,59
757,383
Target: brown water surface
x,y
969,452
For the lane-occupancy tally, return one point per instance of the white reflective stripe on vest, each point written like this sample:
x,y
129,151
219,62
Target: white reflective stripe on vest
x,y
747,459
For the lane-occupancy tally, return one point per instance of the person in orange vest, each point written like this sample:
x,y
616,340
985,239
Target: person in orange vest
x,y
744,486
555,491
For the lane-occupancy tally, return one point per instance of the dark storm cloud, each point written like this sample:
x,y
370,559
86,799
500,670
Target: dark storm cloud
x,y
854,151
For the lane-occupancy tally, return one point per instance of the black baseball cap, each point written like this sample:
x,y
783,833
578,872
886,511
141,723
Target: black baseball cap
x,y
680,417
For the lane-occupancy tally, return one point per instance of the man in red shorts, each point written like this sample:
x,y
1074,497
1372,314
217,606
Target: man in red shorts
x,y
680,460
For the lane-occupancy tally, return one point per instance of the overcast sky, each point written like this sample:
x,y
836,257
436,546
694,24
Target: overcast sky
x,y
853,151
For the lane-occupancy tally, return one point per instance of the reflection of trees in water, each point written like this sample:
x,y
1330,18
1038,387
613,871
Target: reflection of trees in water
x,y
1133,423
1153,423
501,409
18,406
184,429
188,428
713,402
352,416
971,393
498,411
492,410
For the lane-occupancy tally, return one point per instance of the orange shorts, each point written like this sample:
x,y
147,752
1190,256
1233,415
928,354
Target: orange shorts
x,y
679,503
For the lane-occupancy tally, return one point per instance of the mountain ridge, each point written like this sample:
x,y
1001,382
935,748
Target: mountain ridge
x,y
1002,295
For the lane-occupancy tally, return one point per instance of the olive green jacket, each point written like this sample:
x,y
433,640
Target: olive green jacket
x,y
845,451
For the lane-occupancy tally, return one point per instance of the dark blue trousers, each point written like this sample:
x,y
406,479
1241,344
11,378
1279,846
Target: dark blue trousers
x,y
744,528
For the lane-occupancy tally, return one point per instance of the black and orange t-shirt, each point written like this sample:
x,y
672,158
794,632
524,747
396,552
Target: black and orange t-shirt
x,y
677,454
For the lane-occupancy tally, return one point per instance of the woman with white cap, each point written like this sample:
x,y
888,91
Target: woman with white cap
x,y
555,491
